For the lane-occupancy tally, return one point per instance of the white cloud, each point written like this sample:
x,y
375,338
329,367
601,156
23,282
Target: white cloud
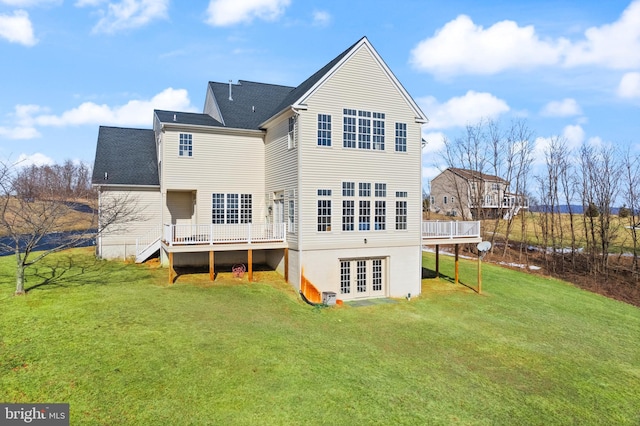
x,y
37,159
222,13
17,28
462,110
462,47
19,132
321,18
133,113
435,142
629,86
615,45
126,14
565,108
573,136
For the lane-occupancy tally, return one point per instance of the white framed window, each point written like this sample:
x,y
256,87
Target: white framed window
x,y
349,128
291,211
217,208
324,130
364,130
364,189
401,210
231,208
401,215
246,208
324,210
186,145
345,277
380,217
291,135
378,131
444,199
495,186
380,189
348,189
348,215
364,215
401,137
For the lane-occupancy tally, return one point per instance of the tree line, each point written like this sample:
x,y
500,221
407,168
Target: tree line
x,y
594,176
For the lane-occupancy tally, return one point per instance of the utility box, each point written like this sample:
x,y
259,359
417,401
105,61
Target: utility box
x,y
328,298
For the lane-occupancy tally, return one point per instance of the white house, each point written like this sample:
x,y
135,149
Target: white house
x,y
321,181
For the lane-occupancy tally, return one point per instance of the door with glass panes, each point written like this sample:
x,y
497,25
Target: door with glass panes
x,y
362,278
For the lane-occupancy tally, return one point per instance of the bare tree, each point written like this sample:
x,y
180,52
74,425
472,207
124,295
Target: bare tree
x,y
631,191
37,207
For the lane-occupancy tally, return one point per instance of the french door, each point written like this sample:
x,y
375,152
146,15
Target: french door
x,y
360,278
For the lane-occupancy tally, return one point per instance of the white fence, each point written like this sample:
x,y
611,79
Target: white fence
x,y
452,229
227,233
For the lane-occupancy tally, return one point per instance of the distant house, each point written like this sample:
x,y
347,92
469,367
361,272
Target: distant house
x,y
321,181
470,194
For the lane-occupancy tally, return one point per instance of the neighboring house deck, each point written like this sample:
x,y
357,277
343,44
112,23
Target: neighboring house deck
x,y
470,194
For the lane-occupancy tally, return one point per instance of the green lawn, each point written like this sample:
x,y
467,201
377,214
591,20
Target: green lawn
x,y
123,347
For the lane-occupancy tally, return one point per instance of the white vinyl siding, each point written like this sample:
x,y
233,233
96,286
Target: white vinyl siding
x,y
218,167
119,240
360,83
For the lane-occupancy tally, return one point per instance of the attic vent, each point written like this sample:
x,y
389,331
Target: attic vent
x,y
175,118
230,97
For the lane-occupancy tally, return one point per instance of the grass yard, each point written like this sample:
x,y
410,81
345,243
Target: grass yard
x,y
123,347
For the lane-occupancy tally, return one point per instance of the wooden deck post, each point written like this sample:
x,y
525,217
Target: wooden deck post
x,y
212,272
286,265
457,263
171,270
479,274
250,264
437,261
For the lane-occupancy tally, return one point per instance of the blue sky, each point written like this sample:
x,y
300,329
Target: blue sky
x,y
571,68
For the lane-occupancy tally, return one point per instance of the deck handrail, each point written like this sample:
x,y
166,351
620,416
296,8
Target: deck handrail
x,y
450,229
248,233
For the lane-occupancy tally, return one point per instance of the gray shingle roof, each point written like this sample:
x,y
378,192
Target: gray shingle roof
x,y
186,118
252,103
473,175
125,157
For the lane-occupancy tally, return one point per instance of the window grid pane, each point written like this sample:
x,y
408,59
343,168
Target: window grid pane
x,y
364,189
376,284
348,215
380,217
364,220
364,130
324,215
401,215
345,277
348,189
361,276
380,190
378,131
401,137
217,208
245,208
232,208
324,130
349,128
186,145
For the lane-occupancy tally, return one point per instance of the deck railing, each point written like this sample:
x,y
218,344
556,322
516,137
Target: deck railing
x,y
451,229
224,233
